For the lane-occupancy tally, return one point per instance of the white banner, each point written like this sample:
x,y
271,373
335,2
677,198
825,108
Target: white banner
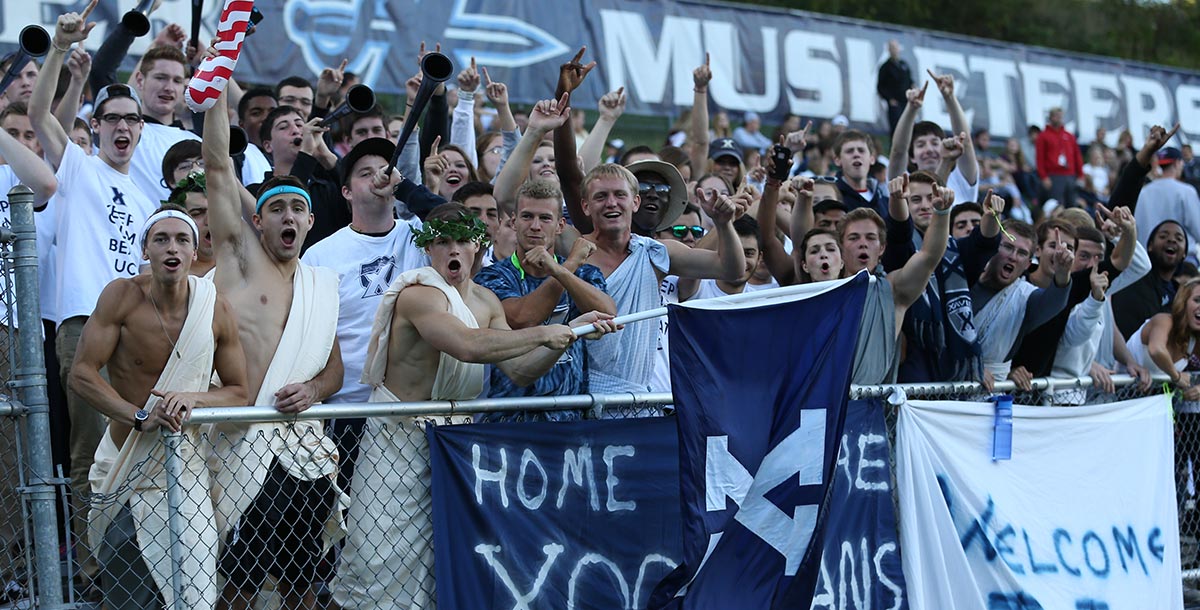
x,y
1083,517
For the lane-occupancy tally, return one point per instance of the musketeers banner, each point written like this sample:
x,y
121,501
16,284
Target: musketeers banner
x,y
768,61
760,393
554,515
1083,516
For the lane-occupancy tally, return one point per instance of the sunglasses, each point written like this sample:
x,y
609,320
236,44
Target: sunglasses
x,y
681,231
661,189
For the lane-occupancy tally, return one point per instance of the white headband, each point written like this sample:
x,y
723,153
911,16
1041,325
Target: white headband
x,y
165,214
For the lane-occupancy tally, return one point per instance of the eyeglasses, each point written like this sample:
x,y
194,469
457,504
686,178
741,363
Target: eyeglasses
x,y
1013,250
661,189
825,179
188,165
113,118
681,231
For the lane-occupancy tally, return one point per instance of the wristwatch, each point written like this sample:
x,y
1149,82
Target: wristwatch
x,y
139,417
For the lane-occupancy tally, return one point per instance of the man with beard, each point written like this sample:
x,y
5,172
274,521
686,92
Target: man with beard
x,y
535,287
100,209
1153,293
952,159
1006,306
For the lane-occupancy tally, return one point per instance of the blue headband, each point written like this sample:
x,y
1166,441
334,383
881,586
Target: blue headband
x,y
281,190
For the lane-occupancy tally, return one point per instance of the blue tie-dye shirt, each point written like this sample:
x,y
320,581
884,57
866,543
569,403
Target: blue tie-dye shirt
x,y
569,374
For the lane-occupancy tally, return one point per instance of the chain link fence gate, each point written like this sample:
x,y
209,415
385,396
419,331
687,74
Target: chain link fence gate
x,y
30,567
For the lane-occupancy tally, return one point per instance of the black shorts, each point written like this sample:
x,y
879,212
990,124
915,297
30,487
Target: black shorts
x,y
280,533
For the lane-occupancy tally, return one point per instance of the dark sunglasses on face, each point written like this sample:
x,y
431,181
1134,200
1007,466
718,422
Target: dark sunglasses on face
x,y
661,189
681,231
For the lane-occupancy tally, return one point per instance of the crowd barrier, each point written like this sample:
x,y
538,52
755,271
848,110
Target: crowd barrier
x,y
36,567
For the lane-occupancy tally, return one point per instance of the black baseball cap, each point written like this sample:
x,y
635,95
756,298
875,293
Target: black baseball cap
x,y
379,147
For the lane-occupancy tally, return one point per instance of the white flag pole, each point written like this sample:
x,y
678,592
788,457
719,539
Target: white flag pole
x,y
781,293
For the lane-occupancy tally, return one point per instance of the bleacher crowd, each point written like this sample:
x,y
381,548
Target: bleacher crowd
x,y
306,269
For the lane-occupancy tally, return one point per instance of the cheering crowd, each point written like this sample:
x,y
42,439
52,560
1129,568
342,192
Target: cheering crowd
x,y
320,264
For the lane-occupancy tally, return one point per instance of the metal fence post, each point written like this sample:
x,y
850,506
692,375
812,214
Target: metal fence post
x,y
175,523
30,378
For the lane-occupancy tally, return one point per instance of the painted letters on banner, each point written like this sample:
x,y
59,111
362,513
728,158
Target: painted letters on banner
x,y
760,395
1082,517
554,515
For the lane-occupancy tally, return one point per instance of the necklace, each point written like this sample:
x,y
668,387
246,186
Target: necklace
x,y
163,326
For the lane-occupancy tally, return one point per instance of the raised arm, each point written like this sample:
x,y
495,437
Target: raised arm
x,y
79,64
1125,234
698,128
462,126
953,150
902,137
30,169
612,106
566,160
968,165
70,29
908,282
229,232
545,116
802,220
728,262
778,262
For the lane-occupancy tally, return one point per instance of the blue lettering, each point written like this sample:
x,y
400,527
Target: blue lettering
x,y
1005,549
1087,556
1128,546
1038,568
945,487
1059,535
978,529
126,267
1090,604
1012,601
1154,543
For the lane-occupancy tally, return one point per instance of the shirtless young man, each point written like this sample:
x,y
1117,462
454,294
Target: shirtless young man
x,y
161,335
434,331
276,480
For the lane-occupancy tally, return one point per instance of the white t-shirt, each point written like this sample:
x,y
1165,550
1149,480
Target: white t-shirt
x,y
45,223
255,169
146,168
660,380
366,267
963,191
47,233
100,212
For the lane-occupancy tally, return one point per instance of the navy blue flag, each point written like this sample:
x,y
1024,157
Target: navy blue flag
x,y
554,515
760,395
860,564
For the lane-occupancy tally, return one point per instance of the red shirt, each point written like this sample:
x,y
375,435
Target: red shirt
x,y
1058,153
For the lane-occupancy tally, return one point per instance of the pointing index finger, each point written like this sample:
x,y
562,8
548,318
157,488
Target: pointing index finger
x,y
579,55
706,62
345,62
88,11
